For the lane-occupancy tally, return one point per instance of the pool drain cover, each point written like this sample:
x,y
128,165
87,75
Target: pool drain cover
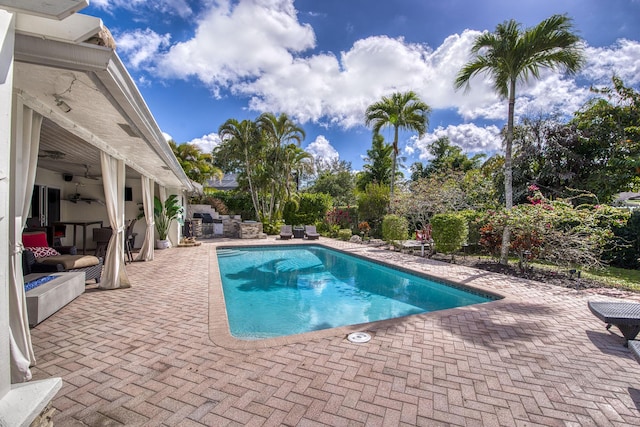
x,y
359,337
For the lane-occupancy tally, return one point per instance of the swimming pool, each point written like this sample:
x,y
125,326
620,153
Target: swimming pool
x,y
274,291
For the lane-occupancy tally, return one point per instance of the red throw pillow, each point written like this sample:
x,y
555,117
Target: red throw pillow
x,y
43,251
36,239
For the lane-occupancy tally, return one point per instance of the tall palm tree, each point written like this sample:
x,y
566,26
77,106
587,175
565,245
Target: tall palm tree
x,y
280,130
278,133
400,111
240,142
510,55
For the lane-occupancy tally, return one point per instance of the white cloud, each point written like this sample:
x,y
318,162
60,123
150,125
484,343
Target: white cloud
x,y
321,150
471,138
167,137
621,59
207,142
256,48
240,41
171,7
141,46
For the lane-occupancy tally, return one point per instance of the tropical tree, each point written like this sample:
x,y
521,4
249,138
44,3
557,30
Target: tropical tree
x,y
198,166
400,111
336,179
446,156
511,54
379,164
241,147
609,129
283,155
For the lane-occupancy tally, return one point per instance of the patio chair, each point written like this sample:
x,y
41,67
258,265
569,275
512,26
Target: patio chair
x,y
310,232
286,232
130,239
102,236
624,315
634,346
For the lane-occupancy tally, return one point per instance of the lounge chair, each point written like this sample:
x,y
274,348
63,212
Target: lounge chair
x,y
310,232
634,346
286,232
624,315
38,257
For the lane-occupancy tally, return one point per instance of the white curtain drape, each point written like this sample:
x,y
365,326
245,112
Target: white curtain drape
x,y
163,193
146,251
113,177
24,152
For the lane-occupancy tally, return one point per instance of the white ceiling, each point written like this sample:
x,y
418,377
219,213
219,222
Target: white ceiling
x,y
107,112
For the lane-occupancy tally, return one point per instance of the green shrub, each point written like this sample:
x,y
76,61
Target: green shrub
x,y
449,232
475,221
237,202
309,209
271,228
344,234
394,229
372,206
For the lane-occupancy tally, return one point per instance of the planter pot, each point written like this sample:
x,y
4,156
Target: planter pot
x,y
163,244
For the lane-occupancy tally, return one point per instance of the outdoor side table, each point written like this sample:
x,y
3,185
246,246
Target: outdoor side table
x,y
298,232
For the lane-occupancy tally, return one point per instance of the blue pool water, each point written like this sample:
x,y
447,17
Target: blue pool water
x,y
276,291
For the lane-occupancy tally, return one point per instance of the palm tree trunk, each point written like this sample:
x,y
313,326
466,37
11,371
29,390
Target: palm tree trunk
x,y
394,164
508,174
254,196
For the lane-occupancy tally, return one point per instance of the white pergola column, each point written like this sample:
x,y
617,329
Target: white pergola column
x,y
19,403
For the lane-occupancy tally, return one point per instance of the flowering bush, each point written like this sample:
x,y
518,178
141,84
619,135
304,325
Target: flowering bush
x,y
364,227
554,231
491,231
339,216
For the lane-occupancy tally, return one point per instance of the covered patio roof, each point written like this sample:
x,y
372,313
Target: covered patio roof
x,y
69,72
64,67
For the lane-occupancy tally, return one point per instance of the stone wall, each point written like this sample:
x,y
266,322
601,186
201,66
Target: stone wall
x,y
231,228
250,230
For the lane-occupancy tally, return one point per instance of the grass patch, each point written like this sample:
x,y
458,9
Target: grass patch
x,y
616,277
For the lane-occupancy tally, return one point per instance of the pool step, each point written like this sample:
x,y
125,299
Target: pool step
x,y
226,253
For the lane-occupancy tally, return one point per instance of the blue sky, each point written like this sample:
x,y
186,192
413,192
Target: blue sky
x,y
199,63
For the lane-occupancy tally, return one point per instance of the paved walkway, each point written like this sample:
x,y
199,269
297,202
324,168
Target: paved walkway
x,y
151,356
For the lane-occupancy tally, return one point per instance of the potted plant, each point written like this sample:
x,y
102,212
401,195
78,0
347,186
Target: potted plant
x,y
164,214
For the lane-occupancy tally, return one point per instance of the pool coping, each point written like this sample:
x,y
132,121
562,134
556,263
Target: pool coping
x,y
219,331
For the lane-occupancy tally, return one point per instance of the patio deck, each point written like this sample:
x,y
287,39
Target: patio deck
x,y
144,357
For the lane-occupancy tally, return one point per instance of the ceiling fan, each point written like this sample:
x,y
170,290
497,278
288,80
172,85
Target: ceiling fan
x,y
52,154
89,176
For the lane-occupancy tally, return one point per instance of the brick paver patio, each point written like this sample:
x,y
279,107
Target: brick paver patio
x,y
155,354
